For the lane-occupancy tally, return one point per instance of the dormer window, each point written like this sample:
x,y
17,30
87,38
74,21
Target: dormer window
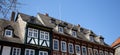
x,y
60,29
91,39
8,33
102,41
74,33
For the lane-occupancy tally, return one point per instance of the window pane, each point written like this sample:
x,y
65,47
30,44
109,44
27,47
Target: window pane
x,y
84,52
55,44
46,36
8,33
60,29
63,46
41,35
16,51
36,33
70,48
77,47
27,52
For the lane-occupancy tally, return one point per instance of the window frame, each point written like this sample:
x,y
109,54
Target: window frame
x,y
43,52
8,30
77,52
95,51
57,44
32,33
83,50
16,50
43,35
60,29
72,48
30,51
74,33
63,49
90,51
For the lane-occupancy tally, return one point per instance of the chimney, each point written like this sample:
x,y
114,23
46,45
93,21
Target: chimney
x,y
12,16
47,14
78,27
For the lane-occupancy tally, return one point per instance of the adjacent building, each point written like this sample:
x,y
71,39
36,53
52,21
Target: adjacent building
x,y
45,35
116,46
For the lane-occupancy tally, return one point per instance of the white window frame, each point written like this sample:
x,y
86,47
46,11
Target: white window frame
x,y
45,36
65,46
91,38
32,32
74,33
77,52
95,51
30,51
11,33
43,52
16,52
60,29
85,50
54,46
90,51
69,48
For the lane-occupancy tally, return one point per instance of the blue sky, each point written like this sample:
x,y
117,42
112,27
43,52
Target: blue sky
x,y
101,16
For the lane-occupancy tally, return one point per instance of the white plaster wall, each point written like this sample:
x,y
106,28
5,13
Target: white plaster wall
x,y
6,50
117,51
22,26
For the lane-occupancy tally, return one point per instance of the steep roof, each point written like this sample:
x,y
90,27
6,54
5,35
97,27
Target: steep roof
x,y
53,22
117,42
30,19
6,23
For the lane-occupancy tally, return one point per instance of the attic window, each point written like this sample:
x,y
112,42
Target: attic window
x,y
8,33
74,33
52,20
60,29
91,38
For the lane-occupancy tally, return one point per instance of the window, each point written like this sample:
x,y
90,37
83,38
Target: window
x,y
70,48
90,51
91,39
60,29
29,52
84,51
95,52
8,33
16,51
101,52
43,53
32,32
77,49
63,46
74,33
106,53
55,44
44,35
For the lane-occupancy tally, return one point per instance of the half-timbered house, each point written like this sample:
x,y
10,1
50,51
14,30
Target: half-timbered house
x,y
24,35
